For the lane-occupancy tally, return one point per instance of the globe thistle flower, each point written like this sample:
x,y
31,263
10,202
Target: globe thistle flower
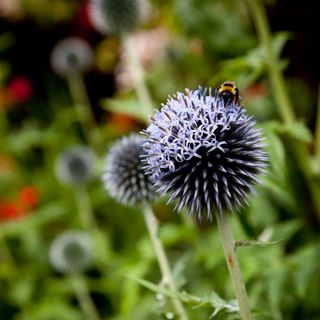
x,y
124,177
109,16
71,54
75,165
204,152
71,251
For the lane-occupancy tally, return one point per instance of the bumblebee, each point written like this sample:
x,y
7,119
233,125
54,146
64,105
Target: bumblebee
x,y
228,92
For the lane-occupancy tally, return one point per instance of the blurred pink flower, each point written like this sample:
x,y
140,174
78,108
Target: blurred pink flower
x,y
150,46
10,8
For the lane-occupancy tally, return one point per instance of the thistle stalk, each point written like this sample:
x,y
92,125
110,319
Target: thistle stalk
x,y
167,277
233,264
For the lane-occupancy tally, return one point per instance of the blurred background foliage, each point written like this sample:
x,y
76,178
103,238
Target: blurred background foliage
x,y
181,44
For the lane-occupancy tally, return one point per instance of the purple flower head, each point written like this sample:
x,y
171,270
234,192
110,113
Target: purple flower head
x,y
123,177
204,153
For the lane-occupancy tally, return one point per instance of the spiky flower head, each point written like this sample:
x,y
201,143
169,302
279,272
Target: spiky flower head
x,y
204,151
75,165
124,177
71,54
110,16
71,251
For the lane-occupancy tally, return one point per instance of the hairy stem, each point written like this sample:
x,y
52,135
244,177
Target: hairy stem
x,y
152,226
233,265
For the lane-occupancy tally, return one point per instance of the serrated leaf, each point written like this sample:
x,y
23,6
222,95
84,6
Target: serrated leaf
x,y
210,300
256,243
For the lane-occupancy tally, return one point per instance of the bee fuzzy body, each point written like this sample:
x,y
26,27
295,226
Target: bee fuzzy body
x,y
228,93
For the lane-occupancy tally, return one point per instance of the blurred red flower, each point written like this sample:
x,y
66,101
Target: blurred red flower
x,y
10,211
20,88
29,197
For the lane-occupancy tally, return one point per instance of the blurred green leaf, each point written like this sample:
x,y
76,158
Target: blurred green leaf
x,y
35,220
210,300
6,40
129,106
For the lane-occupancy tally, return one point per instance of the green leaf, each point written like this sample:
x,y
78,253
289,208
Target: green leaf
x,y
298,131
210,300
37,219
128,106
255,243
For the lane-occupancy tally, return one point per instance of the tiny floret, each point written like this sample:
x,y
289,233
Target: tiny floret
x,y
123,177
205,153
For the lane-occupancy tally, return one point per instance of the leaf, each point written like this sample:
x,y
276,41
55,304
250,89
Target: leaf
x,y
210,300
38,218
277,155
256,243
299,131
6,40
128,106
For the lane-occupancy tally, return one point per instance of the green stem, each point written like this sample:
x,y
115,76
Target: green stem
x,y
153,228
81,290
83,109
137,76
233,265
317,132
85,209
278,84
259,17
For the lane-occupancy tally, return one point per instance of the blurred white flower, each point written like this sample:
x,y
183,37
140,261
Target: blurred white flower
x,y
71,251
75,165
109,16
71,54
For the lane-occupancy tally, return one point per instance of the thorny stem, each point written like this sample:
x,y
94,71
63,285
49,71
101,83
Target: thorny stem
x,y
137,75
233,264
153,228
81,290
83,108
84,207
281,95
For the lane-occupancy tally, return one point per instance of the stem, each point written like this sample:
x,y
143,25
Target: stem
x,y
280,90
137,76
317,133
81,290
83,108
281,96
153,227
84,207
233,265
